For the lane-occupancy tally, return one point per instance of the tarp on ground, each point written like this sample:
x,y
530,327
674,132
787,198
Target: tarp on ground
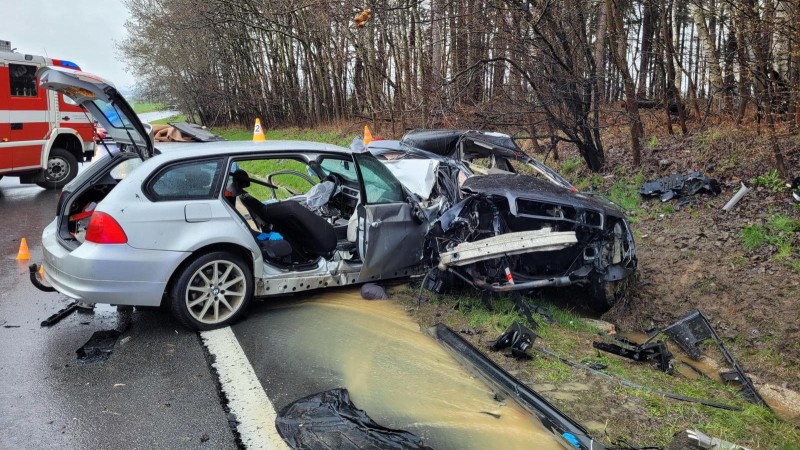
x,y
330,420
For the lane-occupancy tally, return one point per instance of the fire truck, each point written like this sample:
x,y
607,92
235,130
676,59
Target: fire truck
x,y
43,134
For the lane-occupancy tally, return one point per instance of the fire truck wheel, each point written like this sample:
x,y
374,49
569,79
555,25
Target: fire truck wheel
x,y
62,167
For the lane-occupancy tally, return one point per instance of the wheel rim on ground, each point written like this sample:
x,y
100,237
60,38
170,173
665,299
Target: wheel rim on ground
x,y
215,292
57,169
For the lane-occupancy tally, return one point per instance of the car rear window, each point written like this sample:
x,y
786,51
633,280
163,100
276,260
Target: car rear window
x,y
194,180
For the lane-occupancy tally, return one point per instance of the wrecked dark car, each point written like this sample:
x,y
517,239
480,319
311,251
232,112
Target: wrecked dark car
x,y
506,222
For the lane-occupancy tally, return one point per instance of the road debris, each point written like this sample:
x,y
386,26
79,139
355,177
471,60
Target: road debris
x,y
650,351
633,385
518,337
676,186
98,348
704,441
330,419
743,190
571,432
693,328
60,315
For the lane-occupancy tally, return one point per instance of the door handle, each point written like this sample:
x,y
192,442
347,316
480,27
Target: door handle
x,y
16,126
65,118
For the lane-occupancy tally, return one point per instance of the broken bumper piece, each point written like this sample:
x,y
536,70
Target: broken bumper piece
x,y
508,244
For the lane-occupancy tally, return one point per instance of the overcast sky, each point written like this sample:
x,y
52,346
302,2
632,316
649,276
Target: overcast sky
x,y
81,31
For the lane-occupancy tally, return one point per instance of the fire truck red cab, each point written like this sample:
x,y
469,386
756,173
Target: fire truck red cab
x,y
43,134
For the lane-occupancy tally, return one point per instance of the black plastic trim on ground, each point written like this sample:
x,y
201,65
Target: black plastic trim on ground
x,y
570,433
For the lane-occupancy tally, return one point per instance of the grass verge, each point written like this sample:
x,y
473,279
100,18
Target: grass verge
x,y
613,413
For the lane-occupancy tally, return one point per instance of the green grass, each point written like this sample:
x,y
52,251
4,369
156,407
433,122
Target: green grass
x,y
291,184
771,180
146,107
571,165
624,193
780,231
291,134
651,418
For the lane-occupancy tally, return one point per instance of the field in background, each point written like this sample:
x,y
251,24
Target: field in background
x,y
146,107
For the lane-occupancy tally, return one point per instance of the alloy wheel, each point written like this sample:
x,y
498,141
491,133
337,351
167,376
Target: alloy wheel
x,y
215,291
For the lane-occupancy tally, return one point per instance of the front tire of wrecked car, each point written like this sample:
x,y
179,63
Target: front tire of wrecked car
x,y
602,295
212,291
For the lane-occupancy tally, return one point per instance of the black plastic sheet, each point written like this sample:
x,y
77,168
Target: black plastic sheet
x,y
329,420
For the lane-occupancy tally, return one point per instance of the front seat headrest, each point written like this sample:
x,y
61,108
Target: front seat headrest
x,y
240,179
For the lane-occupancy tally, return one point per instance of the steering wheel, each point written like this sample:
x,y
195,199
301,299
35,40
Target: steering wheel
x,y
273,187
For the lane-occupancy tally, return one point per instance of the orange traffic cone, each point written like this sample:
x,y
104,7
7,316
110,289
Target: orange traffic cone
x,y
23,250
367,135
258,133
41,270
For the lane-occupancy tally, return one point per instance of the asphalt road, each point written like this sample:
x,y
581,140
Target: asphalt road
x,y
156,390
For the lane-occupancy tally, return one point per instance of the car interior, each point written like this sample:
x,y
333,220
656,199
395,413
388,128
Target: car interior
x,y
300,212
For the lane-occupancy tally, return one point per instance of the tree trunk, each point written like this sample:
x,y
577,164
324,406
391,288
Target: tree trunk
x,y
619,50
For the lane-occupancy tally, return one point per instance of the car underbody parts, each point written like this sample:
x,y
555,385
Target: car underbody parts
x,y
330,419
633,385
675,186
650,351
694,328
571,433
518,337
60,315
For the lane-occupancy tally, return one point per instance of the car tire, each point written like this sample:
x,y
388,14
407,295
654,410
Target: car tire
x,y
602,295
212,291
62,167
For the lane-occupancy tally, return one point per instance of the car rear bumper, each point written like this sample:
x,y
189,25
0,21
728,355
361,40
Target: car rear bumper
x,y
117,274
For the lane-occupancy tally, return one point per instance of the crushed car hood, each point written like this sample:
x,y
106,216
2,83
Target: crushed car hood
x,y
523,186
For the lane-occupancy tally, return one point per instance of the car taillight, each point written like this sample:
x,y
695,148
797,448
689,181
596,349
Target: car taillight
x,y
103,229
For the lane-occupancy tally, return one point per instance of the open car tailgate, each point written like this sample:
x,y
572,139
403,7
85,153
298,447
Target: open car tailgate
x,y
507,245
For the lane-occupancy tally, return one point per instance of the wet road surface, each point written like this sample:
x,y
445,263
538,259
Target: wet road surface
x,y
159,389
155,391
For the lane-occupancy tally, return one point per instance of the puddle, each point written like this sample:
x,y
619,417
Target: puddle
x,y
399,376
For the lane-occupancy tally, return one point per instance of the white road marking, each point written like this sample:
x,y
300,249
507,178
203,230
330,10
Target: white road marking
x,y
246,398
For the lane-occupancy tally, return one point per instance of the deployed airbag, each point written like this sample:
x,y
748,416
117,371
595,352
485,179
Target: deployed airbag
x,y
330,420
417,175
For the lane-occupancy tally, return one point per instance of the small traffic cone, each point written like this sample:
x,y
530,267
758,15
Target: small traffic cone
x,y
23,250
258,133
367,135
41,270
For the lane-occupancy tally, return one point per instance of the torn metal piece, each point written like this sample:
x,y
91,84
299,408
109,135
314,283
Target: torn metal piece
x,y
702,440
330,419
651,351
518,337
563,426
675,186
694,328
60,315
735,199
